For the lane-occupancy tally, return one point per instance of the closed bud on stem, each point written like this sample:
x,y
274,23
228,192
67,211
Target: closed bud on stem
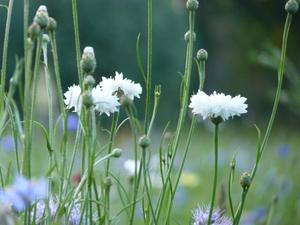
x,y
89,82
34,31
107,182
192,5
291,7
202,55
245,181
52,25
117,152
187,36
41,17
144,142
125,101
45,39
216,120
88,60
87,99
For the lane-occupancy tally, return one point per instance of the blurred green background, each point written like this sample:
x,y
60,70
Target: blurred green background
x,y
243,39
235,33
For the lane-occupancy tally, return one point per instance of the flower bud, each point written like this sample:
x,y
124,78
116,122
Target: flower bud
x,y
87,99
291,7
41,17
89,82
192,5
202,55
117,152
144,142
45,39
88,60
187,36
107,182
245,181
52,25
125,101
34,31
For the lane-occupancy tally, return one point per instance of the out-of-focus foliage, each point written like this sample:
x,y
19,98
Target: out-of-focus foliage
x,y
229,30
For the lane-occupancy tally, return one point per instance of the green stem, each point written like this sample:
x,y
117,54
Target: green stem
x,y
230,180
149,62
275,105
216,135
77,40
183,110
57,73
5,52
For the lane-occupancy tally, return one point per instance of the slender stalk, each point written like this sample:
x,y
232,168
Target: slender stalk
x,y
281,67
5,52
149,62
216,141
57,73
25,28
183,110
77,40
230,180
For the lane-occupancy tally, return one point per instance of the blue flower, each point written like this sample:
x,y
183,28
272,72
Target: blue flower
x,y
283,150
201,214
72,122
7,143
23,192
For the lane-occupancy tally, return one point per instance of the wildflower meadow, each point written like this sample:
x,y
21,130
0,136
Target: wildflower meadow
x,y
100,152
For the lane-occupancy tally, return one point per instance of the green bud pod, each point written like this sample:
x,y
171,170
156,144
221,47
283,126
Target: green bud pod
x,y
41,17
144,142
107,182
87,99
88,60
245,181
291,7
202,55
187,36
89,82
52,25
45,39
192,5
34,31
117,152
125,101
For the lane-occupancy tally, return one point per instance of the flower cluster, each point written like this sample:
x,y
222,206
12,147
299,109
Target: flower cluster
x,y
23,193
217,105
201,214
105,95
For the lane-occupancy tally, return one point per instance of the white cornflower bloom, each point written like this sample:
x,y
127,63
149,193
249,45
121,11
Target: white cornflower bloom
x,y
217,105
73,98
129,166
104,101
201,214
118,83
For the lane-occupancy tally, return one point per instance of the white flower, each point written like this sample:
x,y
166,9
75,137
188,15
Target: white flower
x,y
129,166
73,98
201,214
128,87
217,105
104,101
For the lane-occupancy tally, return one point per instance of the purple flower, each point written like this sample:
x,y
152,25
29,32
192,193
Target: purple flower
x,y
7,143
201,214
23,192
